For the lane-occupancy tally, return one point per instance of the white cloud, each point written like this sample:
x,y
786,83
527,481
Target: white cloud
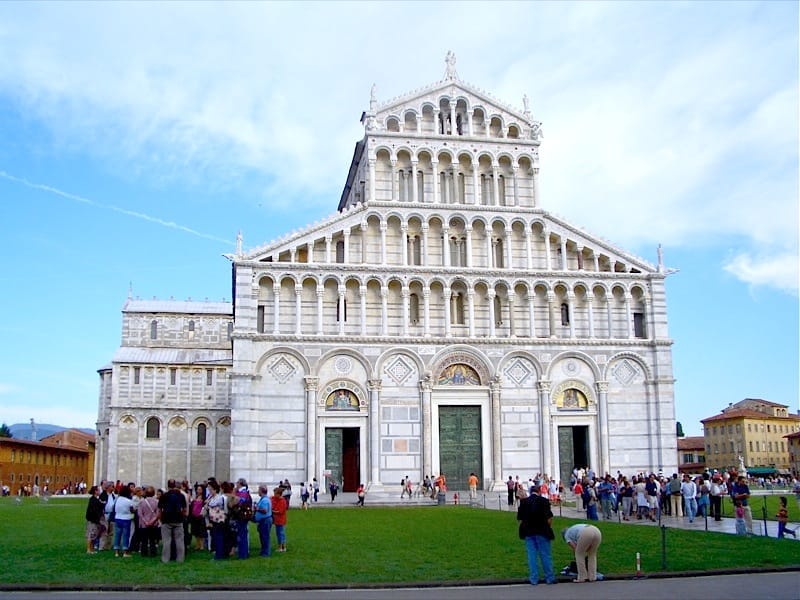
x,y
663,123
779,271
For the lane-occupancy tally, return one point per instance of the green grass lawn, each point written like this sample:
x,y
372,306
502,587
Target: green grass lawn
x,y
42,543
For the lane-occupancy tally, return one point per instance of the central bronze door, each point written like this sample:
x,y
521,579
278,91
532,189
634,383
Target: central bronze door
x,y
342,451
460,451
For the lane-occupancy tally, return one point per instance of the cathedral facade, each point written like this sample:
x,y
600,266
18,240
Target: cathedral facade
x,y
440,321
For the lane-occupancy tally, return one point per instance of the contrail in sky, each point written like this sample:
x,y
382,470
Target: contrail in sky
x,y
124,211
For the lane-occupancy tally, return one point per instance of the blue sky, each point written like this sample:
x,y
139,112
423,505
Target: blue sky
x,y
136,139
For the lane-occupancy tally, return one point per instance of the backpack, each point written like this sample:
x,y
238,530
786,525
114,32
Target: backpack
x,y
243,509
586,494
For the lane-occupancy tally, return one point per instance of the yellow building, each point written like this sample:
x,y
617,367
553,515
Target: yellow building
x,y
29,467
793,440
750,433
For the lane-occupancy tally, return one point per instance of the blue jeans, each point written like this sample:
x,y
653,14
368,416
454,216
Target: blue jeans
x,y
218,533
280,533
538,545
591,512
122,534
242,539
264,526
691,508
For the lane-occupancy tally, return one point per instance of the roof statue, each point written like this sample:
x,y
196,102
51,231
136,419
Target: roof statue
x,y
239,243
450,60
536,131
373,100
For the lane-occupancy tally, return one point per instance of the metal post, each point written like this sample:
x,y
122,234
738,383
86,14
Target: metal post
x,y
705,516
499,504
764,512
663,548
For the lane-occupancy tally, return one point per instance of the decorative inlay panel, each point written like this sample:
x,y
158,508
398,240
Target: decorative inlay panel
x,y
399,370
625,372
282,369
518,371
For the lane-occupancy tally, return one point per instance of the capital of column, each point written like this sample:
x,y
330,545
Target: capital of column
x,y
426,383
346,233
393,162
298,288
491,294
405,292
602,387
426,292
341,290
384,226
362,290
425,227
363,226
320,292
384,291
404,227
551,296
589,297
328,239
544,386
311,383
511,297
374,385
414,162
468,229
447,292
276,292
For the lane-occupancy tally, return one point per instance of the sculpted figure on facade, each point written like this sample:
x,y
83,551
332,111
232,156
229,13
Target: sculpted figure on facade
x,y
450,61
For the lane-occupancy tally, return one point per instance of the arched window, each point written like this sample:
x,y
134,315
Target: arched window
x,y
191,330
498,311
341,310
340,251
153,429
499,254
565,314
201,434
413,309
457,309
230,327
638,325
153,329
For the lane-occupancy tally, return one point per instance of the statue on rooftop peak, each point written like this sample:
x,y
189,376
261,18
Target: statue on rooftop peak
x,y
373,100
450,60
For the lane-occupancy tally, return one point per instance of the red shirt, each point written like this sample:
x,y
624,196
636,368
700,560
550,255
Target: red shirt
x,y
279,508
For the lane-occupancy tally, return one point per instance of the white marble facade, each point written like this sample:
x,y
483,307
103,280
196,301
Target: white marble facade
x,y
440,282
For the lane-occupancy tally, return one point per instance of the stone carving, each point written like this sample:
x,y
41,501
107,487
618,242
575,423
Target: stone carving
x,y
343,365
373,100
536,131
518,371
398,370
282,369
625,372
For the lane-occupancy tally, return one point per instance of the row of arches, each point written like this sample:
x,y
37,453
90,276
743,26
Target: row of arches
x,y
481,307
457,240
456,116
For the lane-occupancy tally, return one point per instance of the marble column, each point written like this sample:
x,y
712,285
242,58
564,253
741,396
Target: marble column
x,y
551,313
342,309
447,298
298,309
384,310
490,296
602,415
320,310
426,318
545,449
371,163
548,259
435,181
497,443
471,311
590,310
468,231
362,294
374,389
395,181
311,384
414,191
427,433
404,233
364,228
276,310
532,312
536,197
405,293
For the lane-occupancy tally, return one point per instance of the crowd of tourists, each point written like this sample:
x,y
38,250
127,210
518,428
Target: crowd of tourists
x,y
211,517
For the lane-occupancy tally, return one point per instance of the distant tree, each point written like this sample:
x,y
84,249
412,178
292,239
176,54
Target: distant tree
x,y
5,432
679,429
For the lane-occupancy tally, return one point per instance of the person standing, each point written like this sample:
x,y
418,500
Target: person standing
x,y
535,527
315,486
689,493
584,540
361,493
123,518
279,513
741,492
472,481
674,488
243,514
171,513
716,493
108,497
304,496
148,521
216,510
263,517
94,514
333,488
512,490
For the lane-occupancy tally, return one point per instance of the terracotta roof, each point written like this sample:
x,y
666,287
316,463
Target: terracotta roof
x,y
793,436
691,443
760,401
747,413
